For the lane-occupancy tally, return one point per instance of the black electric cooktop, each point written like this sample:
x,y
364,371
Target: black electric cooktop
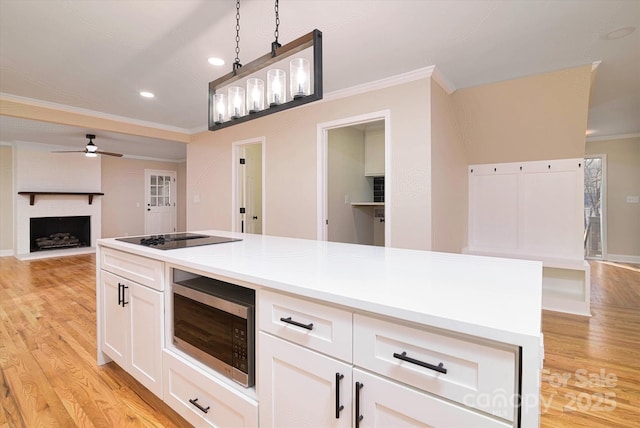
x,y
172,241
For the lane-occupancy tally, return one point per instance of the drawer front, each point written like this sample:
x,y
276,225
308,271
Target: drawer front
x,y
477,375
136,268
383,403
224,407
327,330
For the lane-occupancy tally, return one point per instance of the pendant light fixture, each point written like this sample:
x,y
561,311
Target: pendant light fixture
x,y
286,77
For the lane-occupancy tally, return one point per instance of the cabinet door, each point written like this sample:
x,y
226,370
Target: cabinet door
x,y
298,386
146,327
114,318
383,403
374,154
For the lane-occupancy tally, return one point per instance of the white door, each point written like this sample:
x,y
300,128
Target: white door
x,y
248,213
160,195
300,388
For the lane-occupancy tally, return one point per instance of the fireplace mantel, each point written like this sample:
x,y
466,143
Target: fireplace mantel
x,y
32,195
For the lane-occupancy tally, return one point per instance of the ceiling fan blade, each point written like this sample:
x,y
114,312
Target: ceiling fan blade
x,y
100,152
68,151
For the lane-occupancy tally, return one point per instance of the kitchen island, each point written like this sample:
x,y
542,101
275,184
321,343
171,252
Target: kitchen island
x,y
380,314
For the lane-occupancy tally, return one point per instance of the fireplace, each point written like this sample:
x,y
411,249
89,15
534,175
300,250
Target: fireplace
x,y
53,233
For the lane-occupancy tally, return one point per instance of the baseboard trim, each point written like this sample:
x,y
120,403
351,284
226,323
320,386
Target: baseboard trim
x,y
623,258
6,253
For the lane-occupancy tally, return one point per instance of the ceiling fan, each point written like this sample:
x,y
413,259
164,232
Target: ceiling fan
x,y
91,150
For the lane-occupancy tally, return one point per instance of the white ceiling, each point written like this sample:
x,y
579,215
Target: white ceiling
x,y
97,55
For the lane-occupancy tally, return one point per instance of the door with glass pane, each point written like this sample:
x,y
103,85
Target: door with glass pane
x,y
594,207
160,194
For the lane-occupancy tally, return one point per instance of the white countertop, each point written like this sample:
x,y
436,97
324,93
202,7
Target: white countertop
x,y
496,298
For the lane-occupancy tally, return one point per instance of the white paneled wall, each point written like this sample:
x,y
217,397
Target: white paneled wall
x,y
534,210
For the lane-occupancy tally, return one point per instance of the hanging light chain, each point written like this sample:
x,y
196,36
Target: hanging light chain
x,y
277,33
275,45
236,63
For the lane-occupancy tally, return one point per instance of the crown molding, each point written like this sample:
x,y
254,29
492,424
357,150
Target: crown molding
x,y
613,137
387,82
69,109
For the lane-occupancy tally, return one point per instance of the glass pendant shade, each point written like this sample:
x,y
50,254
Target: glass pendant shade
x,y
287,77
236,102
255,95
300,75
276,87
220,108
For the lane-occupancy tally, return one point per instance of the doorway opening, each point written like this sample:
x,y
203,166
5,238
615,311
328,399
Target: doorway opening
x,y
160,195
353,180
595,207
248,189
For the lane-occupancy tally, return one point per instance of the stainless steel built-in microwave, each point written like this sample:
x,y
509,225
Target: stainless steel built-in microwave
x,y
213,321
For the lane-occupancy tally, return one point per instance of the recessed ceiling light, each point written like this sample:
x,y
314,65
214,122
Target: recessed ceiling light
x,y
216,61
618,34
147,94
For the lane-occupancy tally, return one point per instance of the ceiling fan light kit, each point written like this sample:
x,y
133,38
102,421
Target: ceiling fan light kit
x,y
90,150
240,95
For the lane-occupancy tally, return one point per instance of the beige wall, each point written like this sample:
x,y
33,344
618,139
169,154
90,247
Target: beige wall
x,y
532,118
449,183
6,200
623,179
291,165
123,203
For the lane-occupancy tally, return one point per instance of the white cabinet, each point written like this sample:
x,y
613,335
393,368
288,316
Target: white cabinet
x,y
453,367
313,325
374,153
382,403
302,388
132,327
203,400
312,373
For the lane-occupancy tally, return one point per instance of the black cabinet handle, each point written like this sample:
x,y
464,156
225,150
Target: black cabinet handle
x,y
124,287
439,368
296,323
339,407
359,417
195,403
120,294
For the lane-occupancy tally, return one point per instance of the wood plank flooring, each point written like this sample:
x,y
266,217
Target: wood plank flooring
x,y
49,376
48,371
591,375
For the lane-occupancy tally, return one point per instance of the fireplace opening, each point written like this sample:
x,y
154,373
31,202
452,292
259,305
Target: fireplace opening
x,y
53,233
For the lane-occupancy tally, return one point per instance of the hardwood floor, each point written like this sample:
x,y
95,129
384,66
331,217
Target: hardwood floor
x,y
591,374
48,371
49,376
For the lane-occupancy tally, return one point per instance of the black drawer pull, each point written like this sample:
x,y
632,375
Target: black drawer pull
x,y
124,287
339,407
296,323
359,417
120,294
195,403
439,368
